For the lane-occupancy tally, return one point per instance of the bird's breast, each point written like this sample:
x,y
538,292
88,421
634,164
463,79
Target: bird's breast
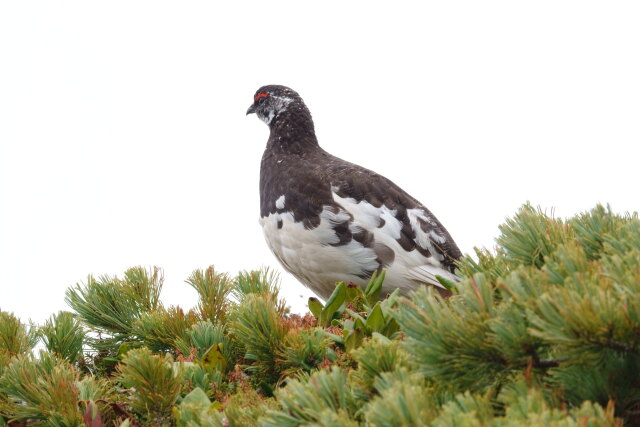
x,y
317,256
348,241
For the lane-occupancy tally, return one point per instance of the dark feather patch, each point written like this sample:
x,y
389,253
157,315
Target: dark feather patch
x,y
384,253
364,237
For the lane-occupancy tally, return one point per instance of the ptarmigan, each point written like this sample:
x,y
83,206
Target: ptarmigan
x,y
328,220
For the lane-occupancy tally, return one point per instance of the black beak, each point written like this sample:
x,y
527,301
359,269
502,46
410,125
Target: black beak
x,y
251,110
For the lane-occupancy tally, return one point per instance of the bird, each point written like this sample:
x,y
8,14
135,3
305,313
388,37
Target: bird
x,y
328,220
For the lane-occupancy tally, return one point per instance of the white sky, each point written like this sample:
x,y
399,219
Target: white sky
x,y
124,141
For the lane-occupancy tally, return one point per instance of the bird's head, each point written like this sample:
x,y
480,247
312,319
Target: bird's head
x,y
271,101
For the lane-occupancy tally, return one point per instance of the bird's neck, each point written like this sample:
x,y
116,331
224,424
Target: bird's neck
x,y
292,131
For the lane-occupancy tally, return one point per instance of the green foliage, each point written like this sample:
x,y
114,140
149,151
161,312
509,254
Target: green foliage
x,y
16,340
15,337
204,335
200,376
367,315
346,293
110,306
528,405
465,410
244,409
44,389
377,357
615,378
214,358
446,338
331,309
402,401
155,382
541,330
63,335
322,399
316,307
593,228
213,289
93,388
374,287
371,320
196,410
303,350
557,297
163,329
493,266
263,282
257,324
530,236
96,395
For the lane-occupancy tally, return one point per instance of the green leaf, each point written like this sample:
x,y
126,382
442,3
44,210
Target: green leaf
x,y
214,358
333,303
195,409
331,355
380,338
197,397
315,306
347,326
375,286
449,284
375,320
335,338
390,328
356,315
354,339
353,291
122,350
372,281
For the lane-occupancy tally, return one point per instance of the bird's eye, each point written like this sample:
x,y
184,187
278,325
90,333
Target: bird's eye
x,y
259,96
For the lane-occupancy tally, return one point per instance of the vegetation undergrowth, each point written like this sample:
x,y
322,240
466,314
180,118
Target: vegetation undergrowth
x,y
543,329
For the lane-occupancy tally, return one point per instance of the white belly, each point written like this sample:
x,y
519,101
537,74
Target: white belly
x,y
310,256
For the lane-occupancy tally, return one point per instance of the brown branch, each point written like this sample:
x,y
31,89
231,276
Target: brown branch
x,y
619,346
548,363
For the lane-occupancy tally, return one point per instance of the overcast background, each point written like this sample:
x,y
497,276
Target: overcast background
x,y
124,141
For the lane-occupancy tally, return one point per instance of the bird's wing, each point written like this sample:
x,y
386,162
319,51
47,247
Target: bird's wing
x,y
411,224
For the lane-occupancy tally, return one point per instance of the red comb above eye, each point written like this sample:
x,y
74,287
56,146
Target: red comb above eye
x,y
260,95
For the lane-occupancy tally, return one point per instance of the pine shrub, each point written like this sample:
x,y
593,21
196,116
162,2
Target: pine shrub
x,y
543,329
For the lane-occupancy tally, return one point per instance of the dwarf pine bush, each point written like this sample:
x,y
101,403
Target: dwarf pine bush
x,y
543,329
63,335
42,389
16,338
156,384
